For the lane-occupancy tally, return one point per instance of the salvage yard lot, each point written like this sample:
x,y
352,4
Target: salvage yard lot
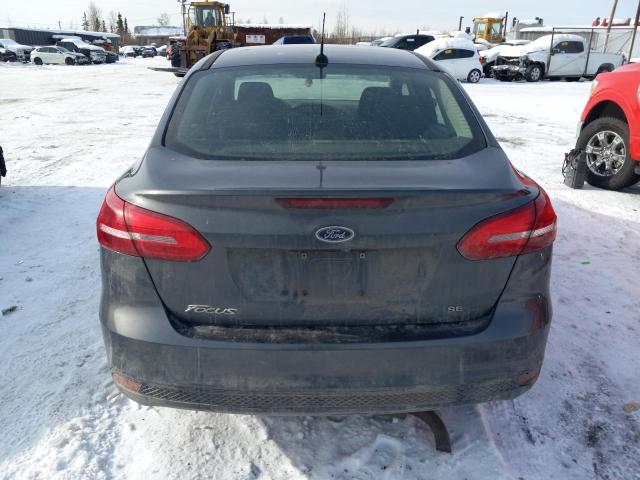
x,y
68,133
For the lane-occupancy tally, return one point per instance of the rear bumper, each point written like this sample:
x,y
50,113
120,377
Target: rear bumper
x,y
284,377
330,379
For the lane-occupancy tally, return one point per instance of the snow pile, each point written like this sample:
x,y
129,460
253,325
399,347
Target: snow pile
x,y
530,21
68,133
493,15
431,49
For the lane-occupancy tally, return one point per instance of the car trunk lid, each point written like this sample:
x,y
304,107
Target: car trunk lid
x,y
268,267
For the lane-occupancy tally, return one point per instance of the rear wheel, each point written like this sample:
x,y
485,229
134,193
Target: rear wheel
x,y
606,142
474,76
69,61
533,73
37,61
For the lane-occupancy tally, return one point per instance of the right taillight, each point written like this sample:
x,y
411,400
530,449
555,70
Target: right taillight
x,y
527,229
129,229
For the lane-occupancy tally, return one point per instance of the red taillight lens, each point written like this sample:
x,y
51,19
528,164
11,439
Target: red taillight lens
x,y
112,229
126,228
523,230
327,203
483,60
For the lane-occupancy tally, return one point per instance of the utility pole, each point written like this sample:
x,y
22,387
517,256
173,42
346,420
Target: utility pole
x,y
59,25
504,28
460,24
611,17
633,35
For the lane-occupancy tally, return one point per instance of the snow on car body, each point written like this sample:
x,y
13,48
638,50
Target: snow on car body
x,y
568,57
458,56
21,51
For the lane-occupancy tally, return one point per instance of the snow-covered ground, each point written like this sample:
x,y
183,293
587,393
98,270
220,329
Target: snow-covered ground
x,y
68,132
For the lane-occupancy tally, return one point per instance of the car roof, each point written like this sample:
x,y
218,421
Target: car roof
x,y
306,54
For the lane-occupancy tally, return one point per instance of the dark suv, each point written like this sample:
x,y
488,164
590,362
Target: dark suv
x,y
407,42
7,55
332,234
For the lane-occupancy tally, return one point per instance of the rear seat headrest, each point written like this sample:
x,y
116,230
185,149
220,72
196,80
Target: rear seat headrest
x,y
255,91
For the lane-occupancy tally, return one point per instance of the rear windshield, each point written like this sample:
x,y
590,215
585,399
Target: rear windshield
x,y
344,112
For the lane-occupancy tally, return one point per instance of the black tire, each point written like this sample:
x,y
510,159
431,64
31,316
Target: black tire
x,y
474,76
625,176
488,70
533,73
37,61
69,61
604,69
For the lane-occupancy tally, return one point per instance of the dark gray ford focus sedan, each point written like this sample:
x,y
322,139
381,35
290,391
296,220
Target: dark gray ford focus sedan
x,y
329,235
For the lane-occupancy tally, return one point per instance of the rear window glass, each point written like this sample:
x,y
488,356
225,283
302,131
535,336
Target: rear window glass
x,y
297,112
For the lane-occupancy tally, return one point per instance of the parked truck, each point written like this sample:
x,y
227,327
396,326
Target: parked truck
x,y
554,56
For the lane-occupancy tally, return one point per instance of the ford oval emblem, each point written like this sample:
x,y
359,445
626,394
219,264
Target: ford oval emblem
x,y
335,234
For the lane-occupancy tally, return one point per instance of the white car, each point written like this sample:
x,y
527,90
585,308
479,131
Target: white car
x,y
458,56
53,55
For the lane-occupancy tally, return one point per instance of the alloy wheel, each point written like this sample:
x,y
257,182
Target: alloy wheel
x,y
606,153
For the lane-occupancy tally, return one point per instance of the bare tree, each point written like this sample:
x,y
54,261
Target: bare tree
x,y
341,27
112,20
94,17
163,19
281,20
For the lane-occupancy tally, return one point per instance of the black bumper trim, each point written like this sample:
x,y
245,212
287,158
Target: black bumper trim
x,y
325,402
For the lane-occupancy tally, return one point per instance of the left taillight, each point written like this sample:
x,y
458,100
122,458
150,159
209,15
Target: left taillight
x,y
527,229
126,228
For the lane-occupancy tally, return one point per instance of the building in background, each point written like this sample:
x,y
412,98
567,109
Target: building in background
x,y
146,35
266,34
36,36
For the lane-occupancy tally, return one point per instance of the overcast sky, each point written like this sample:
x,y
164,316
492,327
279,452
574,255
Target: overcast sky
x,y
369,15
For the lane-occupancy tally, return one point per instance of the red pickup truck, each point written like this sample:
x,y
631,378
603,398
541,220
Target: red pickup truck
x,y
609,130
